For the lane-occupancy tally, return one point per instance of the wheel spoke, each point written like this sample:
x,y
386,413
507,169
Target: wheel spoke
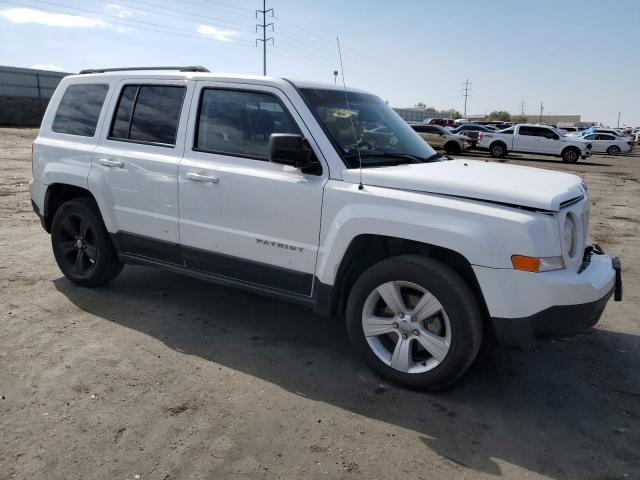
x,y
68,226
401,358
78,266
374,326
84,227
67,247
435,345
426,307
390,293
91,251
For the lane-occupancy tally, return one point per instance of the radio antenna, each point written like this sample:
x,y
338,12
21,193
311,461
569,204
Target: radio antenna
x,y
353,126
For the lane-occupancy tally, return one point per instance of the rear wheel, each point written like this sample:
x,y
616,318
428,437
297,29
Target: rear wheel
x,y
414,321
613,150
498,150
81,244
452,148
570,155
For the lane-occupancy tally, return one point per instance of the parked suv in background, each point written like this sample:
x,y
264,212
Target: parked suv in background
x,y
439,137
472,131
280,188
443,122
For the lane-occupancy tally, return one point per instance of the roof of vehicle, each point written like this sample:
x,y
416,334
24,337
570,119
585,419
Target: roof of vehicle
x,y
199,75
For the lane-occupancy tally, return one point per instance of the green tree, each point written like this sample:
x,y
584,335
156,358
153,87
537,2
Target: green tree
x,y
421,105
453,113
500,115
519,118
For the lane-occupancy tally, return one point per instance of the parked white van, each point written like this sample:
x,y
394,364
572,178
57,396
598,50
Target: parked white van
x,y
255,182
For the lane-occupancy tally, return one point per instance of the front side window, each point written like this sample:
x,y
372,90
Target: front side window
x,y
79,110
368,126
148,114
240,123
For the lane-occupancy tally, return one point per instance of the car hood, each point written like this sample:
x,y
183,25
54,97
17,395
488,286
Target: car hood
x,y
481,180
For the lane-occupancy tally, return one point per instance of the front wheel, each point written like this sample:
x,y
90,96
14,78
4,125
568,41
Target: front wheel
x,y
414,321
613,150
570,155
81,244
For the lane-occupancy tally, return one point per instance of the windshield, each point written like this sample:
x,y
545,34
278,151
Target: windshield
x,y
371,126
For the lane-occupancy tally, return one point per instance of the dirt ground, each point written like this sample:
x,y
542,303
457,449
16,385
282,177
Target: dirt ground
x,y
158,376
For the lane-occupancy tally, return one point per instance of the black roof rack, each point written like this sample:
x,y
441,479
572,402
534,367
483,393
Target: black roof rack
x,y
191,68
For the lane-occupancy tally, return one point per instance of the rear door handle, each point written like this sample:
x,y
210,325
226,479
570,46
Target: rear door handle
x,y
111,163
196,177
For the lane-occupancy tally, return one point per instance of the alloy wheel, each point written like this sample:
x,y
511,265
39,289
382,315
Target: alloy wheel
x,y
77,245
406,327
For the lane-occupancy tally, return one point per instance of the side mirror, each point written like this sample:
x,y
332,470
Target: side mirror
x,y
290,149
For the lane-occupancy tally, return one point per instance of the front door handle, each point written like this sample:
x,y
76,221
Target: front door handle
x,y
196,177
111,163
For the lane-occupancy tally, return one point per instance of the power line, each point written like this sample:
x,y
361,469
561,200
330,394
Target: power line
x,y
149,26
466,94
264,38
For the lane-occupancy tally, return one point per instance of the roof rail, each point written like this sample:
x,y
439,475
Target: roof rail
x,y
191,68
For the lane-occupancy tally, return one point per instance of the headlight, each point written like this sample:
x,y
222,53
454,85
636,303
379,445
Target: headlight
x,y
569,236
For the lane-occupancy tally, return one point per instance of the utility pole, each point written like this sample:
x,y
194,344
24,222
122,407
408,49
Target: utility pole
x,y
541,110
264,25
618,120
466,86
335,76
522,104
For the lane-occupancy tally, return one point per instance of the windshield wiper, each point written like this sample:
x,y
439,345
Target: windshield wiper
x,y
404,156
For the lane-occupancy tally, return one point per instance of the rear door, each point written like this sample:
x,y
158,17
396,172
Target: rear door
x,y
527,139
136,165
242,217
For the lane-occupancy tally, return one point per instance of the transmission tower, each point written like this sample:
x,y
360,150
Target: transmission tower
x,y
466,88
264,25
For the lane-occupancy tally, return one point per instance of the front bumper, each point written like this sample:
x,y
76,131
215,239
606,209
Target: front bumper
x,y
528,307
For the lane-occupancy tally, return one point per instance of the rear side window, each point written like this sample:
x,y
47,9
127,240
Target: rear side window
x,y
529,131
148,114
240,122
79,110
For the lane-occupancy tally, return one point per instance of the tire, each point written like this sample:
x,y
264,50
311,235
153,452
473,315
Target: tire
x,y
498,150
452,148
450,324
613,150
81,244
570,155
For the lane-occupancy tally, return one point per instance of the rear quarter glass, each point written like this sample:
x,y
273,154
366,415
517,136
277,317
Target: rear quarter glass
x,y
79,109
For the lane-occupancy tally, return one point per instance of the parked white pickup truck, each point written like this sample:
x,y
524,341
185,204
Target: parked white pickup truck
x,y
532,138
254,182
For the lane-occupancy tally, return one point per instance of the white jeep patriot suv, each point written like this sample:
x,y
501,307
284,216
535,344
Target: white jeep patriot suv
x,y
255,182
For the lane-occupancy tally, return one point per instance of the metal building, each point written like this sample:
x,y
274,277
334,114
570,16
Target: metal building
x,y
24,94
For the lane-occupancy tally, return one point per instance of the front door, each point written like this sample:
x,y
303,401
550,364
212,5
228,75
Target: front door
x,y
242,217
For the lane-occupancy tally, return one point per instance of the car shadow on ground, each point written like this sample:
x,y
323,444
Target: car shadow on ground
x,y
550,410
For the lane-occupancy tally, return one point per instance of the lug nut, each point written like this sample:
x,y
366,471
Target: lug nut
x,y
405,336
416,333
395,325
401,315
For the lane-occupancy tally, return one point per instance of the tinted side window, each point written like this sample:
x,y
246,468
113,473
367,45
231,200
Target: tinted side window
x,y
431,130
240,123
79,110
148,114
529,131
546,133
509,131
